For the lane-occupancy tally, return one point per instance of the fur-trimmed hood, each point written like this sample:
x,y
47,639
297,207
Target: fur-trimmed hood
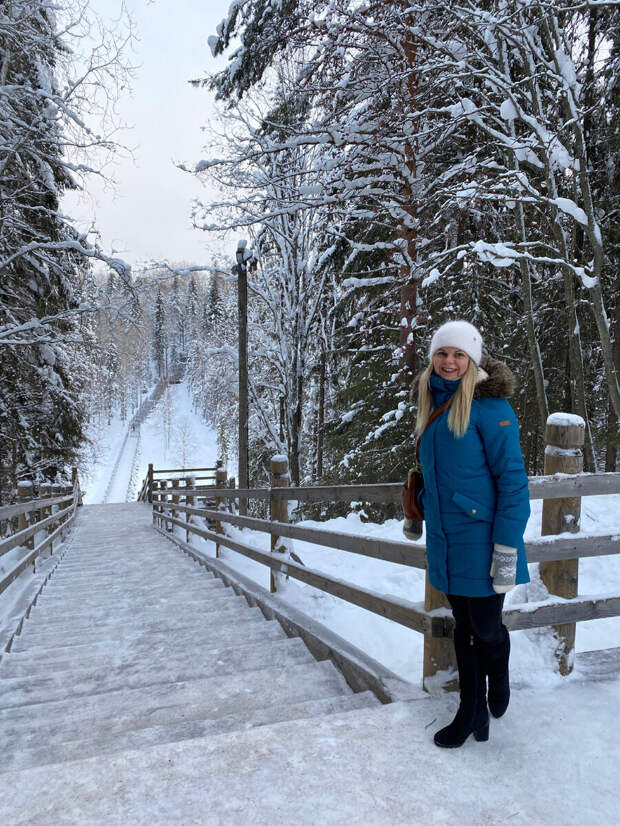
x,y
495,381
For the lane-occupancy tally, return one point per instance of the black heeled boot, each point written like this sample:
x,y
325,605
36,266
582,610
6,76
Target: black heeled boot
x,y
472,716
495,659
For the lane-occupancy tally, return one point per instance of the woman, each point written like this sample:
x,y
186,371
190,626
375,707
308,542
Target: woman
x,y
476,506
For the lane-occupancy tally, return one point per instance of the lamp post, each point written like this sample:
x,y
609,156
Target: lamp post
x,y
243,255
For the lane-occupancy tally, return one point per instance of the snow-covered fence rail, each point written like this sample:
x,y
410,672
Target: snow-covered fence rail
x,y
24,522
560,489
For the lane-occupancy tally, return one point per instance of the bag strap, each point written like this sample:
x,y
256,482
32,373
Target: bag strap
x,y
437,412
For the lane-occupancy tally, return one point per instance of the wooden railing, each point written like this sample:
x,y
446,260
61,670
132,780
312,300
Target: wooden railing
x,y
431,617
22,523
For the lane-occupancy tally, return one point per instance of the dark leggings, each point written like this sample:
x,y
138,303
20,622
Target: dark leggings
x,y
480,617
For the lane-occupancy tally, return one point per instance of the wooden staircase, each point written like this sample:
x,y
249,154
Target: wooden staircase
x,y
130,644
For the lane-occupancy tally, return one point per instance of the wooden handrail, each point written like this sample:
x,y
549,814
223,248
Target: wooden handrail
x,y
387,550
556,611
540,487
20,508
186,470
17,539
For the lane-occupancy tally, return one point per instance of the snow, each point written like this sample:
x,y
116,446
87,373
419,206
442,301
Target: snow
x,y
567,69
431,277
553,760
565,419
508,111
570,208
497,254
554,450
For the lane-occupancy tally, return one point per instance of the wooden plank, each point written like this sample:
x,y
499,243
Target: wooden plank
x,y
400,553
550,548
554,612
9,511
19,538
224,493
385,493
185,470
582,484
400,611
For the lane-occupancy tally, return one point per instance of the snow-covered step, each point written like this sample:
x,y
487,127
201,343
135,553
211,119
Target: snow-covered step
x,y
210,698
53,607
179,666
119,611
95,593
45,754
122,612
197,620
121,577
153,648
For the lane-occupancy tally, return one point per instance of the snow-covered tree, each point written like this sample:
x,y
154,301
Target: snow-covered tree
x,y
47,96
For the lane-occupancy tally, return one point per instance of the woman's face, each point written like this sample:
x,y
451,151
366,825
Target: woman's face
x,y
450,362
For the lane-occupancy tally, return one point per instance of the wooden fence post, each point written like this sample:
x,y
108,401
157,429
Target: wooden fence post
x,y
25,492
232,483
564,438
150,484
75,481
189,501
438,651
45,511
220,482
163,485
278,510
156,520
175,501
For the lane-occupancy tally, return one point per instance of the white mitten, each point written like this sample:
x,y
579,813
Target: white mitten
x,y
412,529
503,568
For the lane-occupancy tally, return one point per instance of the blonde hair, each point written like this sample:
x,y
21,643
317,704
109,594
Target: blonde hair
x,y
460,409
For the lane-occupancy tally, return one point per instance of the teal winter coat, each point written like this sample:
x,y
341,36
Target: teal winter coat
x,y
475,487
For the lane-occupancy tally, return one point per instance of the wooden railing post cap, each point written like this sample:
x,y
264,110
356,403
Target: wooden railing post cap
x,y
24,489
565,430
279,464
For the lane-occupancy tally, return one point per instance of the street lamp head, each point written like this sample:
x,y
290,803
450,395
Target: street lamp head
x,y
241,249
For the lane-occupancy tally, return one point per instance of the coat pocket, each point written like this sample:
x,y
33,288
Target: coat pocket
x,y
473,508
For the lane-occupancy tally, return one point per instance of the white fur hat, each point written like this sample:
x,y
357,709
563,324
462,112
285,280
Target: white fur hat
x,y
459,334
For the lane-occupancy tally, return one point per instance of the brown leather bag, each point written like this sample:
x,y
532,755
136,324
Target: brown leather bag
x,y
415,481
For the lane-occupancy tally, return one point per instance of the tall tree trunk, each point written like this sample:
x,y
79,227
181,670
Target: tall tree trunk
x,y
612,436
408,231
597,304
525,277
321,416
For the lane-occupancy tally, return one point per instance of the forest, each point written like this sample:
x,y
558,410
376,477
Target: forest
x,y
392,165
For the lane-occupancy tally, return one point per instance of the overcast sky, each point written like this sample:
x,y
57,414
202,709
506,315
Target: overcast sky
x,y
148,215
